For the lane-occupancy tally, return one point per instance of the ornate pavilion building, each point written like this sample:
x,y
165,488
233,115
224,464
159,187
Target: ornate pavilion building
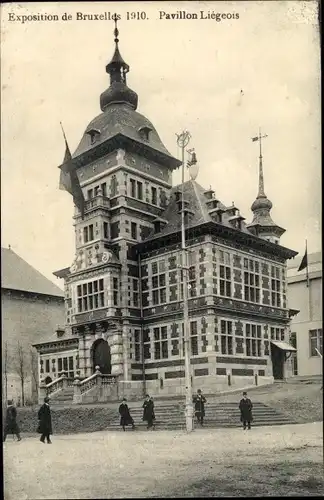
x,y
123,292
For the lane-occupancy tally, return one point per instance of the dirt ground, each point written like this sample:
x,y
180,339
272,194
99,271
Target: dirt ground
x,y
266,461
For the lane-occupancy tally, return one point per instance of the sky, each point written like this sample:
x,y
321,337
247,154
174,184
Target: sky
x,y
188,74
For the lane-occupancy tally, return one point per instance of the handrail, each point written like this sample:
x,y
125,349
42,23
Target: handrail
x,y
89,382
94,375
50,384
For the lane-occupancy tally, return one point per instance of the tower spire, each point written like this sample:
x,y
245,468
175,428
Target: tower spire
x,y
261,193
117,68
262,222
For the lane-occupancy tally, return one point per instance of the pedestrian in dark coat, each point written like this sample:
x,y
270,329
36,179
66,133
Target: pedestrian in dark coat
x,y
11,426
125,416
199,402
246,411
45,422
148,411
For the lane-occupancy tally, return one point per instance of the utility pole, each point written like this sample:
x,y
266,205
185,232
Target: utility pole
x,y
182,141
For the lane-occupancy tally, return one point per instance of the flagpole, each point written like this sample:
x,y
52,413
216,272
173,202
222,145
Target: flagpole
x,y
308,287
182,141
307,275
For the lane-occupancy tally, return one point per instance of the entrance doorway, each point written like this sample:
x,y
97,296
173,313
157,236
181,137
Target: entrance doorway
x,y
278,359
101,356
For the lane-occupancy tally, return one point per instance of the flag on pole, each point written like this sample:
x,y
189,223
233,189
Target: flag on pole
x,y
304,264
69,180
255,139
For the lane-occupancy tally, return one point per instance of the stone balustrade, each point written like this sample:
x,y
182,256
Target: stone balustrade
x,y
83,390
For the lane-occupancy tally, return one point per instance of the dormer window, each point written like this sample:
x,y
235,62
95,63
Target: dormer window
x,y
144,132
94,135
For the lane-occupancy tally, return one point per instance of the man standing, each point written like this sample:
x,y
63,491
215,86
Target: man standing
x,y
11,426
246,411
125,416
199,401
45,422
148,411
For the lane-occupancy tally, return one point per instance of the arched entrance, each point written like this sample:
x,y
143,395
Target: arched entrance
x,y
101,356
48,380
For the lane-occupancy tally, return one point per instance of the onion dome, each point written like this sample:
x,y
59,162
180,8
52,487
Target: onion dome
x,y
118,92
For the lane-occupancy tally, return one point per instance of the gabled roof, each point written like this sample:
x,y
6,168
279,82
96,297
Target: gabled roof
x,y
17,274
197,200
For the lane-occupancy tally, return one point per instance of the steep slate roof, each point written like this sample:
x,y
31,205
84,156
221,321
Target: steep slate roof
x,y
195,195
120,119
17,274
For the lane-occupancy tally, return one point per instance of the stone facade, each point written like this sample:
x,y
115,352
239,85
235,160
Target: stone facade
x,y
124,289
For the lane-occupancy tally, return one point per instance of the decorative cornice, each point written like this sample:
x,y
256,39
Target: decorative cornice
x,y
220,305
32,296
231,236
123,142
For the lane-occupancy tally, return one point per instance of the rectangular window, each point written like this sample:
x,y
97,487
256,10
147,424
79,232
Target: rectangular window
x,y
91,295
105,227
134,230
104,189
85,235
225,285
147,343
91,236
226,337
275,295
95,191
253,340
65,364
114,230
139,190
160,336
154,195
316,342
47,366
59,364
115,291
90,194
71,363
137,345
194,338
133,188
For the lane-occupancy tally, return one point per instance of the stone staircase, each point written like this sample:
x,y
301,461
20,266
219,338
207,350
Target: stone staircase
x,y
170,416
63,397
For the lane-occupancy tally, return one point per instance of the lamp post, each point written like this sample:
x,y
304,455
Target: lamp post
x,y
182,141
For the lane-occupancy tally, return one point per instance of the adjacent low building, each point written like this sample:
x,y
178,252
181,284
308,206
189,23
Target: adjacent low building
x,y
306,327
32,308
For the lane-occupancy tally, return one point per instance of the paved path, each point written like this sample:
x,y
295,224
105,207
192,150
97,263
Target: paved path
x,y
143,464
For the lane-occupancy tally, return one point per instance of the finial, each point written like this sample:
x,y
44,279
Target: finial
x,y
116,32
9,246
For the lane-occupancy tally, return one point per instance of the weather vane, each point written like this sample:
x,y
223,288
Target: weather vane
x,y
259,138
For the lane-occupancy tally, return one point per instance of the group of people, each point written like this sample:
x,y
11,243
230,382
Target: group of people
x,y
148,413
44,426
45,419
245,407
